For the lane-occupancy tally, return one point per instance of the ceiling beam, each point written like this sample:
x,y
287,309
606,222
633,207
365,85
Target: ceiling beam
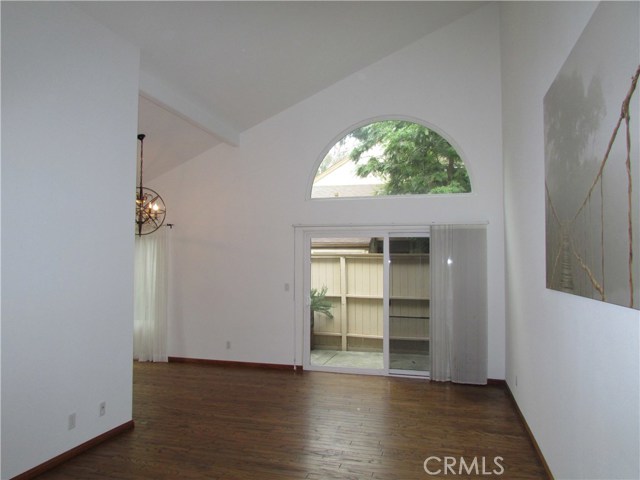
x,y
170,98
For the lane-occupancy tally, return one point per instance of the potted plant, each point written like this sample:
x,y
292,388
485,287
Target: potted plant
x,y
319,303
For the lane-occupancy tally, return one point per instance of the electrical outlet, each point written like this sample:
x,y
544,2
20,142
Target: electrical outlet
x,y
72,421
228,345
103,408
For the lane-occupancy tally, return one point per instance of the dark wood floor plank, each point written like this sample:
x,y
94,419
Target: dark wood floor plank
x,y
197,422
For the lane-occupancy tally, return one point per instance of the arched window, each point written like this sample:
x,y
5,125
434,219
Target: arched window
x,y
390,157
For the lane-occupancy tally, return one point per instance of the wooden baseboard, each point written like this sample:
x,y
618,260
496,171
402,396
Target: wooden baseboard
x,y
529,432
229,363
496,382
74,452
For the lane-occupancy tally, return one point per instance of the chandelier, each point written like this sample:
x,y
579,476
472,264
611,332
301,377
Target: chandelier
x,y
150,208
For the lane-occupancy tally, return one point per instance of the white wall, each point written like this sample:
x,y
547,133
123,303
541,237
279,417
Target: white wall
x,y
69,120
573,363
234,207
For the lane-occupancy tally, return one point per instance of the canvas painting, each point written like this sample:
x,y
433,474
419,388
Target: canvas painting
x,y
592,179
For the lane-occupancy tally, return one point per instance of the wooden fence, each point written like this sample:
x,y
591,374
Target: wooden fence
x,y
355,288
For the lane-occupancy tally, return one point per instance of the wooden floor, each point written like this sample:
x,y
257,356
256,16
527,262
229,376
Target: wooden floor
x,y
213,422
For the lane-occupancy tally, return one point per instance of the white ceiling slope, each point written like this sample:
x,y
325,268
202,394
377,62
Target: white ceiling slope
x,y
210,70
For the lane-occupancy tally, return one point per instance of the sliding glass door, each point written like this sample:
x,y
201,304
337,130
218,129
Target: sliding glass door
x,y
394,300
346,303
368,302
409,305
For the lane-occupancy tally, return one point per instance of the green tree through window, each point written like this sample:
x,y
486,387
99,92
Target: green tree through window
x,y
391,157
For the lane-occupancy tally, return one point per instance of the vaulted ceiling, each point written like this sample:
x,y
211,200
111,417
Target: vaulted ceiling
x,y
210,70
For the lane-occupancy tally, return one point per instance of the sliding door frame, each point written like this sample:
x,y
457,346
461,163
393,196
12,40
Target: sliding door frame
x,y
302,285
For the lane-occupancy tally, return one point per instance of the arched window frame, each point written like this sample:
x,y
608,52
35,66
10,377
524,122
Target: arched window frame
x,y
347,131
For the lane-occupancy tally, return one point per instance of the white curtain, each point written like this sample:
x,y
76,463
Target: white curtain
x,y
459,303
151,291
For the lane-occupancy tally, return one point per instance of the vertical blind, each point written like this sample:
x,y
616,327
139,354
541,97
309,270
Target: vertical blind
x,y
459,303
